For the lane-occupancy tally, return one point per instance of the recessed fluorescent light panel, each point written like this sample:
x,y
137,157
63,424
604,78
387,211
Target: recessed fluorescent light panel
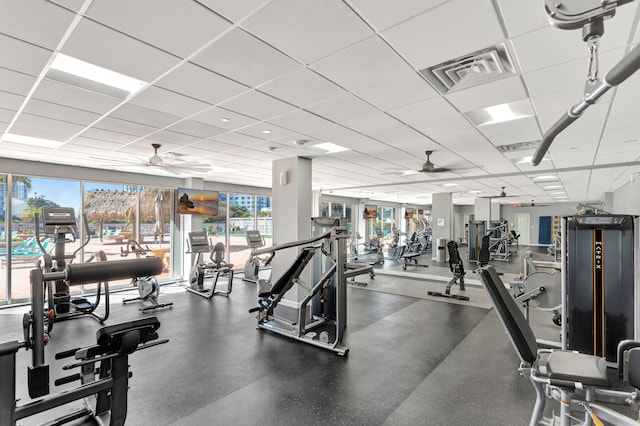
x,y
546,178
501,113
475,192
552,187
330,148
450,184
28,140
76,72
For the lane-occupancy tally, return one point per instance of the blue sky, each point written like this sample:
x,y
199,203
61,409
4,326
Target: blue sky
x,y
66,193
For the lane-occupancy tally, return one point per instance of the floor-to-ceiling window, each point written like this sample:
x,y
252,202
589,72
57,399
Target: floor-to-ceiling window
x,y
25,250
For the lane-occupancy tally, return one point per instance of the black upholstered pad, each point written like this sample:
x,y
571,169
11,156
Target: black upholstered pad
x,y
574,367
634,367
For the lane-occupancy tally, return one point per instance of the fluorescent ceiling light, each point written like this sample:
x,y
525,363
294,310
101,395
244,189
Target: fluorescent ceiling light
x,y
28,140
528,159
545,177
501,113
552,187
558,193
266,131
96,73
409,172
330,147
450,184
475,192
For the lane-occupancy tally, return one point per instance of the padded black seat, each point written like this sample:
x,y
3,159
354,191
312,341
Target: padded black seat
x,y
575,367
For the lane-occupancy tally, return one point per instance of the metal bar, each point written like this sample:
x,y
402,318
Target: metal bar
x,y
616,75
291,244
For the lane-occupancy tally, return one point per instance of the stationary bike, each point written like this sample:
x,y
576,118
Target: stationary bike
x,y
148,287
215,269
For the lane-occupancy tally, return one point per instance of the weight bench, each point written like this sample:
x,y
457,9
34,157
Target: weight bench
x,y
407,258
574,379
357,266
457,267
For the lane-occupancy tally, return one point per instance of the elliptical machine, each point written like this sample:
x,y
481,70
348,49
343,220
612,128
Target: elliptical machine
x,y
61,222
215,269
148,287
252,266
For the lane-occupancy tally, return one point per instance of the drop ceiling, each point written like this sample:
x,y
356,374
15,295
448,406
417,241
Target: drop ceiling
x,y
233,84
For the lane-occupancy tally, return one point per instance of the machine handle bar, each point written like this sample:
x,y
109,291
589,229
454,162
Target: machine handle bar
x,y
616,75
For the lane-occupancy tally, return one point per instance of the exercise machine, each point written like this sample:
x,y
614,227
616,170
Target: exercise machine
x,y
61,223
599,282
589,16
477,230
148,286
322,313
576,381
457,268
103,389
540,286
252,266
499,241
372,255
216,268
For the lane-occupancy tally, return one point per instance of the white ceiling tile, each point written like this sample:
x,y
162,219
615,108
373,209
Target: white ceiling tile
x,y
276,132
478,19
140,114
216,148
173,137
393,135
200,83
10,100
124,126
342,108
399,91
257,105
371,123
332,133
214,117
82,142
523,17
190,24
244,58
6,115
300,121
60,112
22,57
364,64
15,82
382,16
522,130
233,10
167,101
302,87
495,93
74,5
431,117
308,30
99,45
64,94
196,128
238,139
107,135
37,22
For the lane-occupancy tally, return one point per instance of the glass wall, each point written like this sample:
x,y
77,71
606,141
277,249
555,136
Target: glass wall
x,y
32,195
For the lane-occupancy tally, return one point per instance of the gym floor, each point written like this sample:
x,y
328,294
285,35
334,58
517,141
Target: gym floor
x,y
412,361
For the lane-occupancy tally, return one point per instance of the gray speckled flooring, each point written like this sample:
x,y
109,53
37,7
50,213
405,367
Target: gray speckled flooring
x,y
412,361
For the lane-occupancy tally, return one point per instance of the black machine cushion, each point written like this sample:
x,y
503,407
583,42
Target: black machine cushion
x,y
512,317
574,367
294,270
110,336
634,368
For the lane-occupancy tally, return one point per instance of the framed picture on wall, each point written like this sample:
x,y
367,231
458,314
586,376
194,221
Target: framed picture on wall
x,y
370,211
198,201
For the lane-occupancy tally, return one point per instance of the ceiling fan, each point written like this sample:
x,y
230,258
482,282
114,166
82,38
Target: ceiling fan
x,y
429,167
502,194
172,162
531,204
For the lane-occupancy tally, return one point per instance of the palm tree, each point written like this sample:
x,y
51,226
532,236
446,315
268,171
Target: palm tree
x,y
25,181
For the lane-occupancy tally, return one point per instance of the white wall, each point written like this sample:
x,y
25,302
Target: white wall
x,y
626,200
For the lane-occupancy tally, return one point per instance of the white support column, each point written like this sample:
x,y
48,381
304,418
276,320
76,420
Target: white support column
x,y
441,219
292,212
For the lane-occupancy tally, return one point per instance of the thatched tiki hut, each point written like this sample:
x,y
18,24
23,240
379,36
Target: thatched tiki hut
x,y
101,206
155,206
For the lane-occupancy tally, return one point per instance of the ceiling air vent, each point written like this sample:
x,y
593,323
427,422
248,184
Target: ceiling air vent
x,y
520,146
477,68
